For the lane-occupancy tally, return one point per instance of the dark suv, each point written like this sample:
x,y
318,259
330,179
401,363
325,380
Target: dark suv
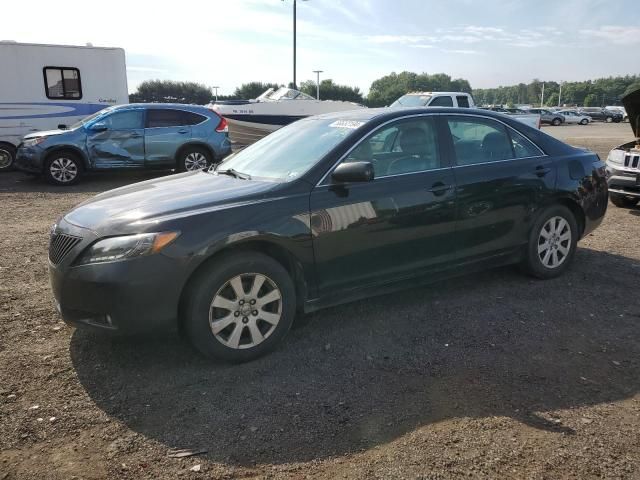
x,y
186,137
602,114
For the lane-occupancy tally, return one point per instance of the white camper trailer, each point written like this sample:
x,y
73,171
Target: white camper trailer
x,y
44,87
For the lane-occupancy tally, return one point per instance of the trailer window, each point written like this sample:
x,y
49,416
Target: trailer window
x,y
62,83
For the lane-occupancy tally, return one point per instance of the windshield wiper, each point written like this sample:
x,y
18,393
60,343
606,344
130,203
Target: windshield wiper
x,y
234,173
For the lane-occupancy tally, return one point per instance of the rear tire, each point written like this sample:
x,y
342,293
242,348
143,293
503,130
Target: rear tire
x,y
608,119
555,122
63,169
552,243
622,201
192,159
7,156
240,308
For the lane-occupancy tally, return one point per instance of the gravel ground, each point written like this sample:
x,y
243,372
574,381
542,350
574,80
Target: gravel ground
x,y
492,375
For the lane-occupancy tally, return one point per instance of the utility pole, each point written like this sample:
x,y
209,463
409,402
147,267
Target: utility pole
x,y
216,89
560,94
542,99
318,72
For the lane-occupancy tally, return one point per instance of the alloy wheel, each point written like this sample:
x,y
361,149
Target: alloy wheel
x,y
63,170
554,242
5,158
245,310
195,161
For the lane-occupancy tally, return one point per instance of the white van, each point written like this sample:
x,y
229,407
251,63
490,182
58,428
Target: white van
x,y
44,87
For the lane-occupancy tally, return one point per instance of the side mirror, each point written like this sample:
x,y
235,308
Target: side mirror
x,y
353,172
98,127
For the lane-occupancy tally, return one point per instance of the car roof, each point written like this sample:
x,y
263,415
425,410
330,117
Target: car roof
x,y
180,106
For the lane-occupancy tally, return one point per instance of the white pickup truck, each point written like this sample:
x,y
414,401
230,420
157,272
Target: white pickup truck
x,y
455,99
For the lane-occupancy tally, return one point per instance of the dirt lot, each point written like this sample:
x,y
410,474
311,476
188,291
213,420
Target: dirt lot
x,y
493,375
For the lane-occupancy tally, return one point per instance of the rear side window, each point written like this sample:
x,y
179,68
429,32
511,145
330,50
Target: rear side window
x,y
167,117
127,120
441,102
478,140
522,146
463,101
62,83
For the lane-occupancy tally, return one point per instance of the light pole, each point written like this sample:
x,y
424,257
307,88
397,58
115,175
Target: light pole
x,y
560,95
542,99
294,44
318,72
216,89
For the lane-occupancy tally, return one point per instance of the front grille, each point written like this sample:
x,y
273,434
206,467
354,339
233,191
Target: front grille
x,y
60,245
632,160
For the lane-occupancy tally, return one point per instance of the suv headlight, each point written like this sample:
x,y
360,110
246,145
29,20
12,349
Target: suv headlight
x,y
128,246
32,142
616,157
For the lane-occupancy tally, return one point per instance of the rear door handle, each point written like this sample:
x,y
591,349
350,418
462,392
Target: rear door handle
x,y
183,131
439,188
135,135
541,170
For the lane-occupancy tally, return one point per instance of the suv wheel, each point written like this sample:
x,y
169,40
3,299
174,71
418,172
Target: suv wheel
x,y
623,201
240,308
63,169
193,159
608,119
7,156
555,122
552,243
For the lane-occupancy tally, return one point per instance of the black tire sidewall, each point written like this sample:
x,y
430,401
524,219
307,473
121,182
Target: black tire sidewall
x,y
12,153
207,283
532,263
187,151
622,201
584,121
556,122
50,159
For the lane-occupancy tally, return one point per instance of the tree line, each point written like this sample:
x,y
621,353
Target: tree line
x,y
387,89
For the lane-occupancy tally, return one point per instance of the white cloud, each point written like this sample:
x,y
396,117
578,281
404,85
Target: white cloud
x,y
616,34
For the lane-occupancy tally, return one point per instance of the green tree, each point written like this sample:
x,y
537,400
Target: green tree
x,y
253,89
552,100
590,100
169,91
332,91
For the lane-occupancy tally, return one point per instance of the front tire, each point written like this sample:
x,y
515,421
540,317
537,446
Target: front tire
x,y
7,157
608,119
622,201
240,308
556,122
192,159
584,121
63,169
552,243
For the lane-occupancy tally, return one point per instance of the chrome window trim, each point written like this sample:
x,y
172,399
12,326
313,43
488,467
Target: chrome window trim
x,y
321,183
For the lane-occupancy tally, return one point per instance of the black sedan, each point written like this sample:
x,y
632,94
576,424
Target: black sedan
x,y
326,210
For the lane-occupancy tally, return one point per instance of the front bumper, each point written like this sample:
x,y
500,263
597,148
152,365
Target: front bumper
x,y
29,159
623,180
135,295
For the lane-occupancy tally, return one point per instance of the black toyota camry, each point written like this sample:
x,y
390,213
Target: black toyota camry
x,y
326,210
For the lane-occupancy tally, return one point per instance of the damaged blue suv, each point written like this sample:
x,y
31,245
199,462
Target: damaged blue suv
x,y
159,136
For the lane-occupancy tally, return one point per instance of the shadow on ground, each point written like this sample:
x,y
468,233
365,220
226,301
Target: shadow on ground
x,y
491,344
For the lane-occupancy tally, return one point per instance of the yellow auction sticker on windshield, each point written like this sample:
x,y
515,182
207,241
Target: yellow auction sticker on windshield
x,y
353,124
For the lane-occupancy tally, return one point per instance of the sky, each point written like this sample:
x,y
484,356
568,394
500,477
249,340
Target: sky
x,y
229,42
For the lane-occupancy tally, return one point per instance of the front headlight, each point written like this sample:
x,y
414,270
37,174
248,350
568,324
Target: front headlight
x,y
616,157
32,142
128,246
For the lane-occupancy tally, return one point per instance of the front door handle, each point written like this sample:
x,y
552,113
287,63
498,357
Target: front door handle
x,y
541,170
135,135
439,188
183,131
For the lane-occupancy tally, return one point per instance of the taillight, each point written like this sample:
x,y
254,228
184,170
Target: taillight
x,y
223,126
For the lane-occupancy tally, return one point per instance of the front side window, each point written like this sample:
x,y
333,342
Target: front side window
x,y
127,120
405,146
62,83
478,140
441,102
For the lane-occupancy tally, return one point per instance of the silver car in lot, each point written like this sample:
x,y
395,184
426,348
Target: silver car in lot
x,y
571,117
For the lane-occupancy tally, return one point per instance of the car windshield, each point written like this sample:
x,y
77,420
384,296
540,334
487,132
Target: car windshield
x,y
412,100
288,153
86,120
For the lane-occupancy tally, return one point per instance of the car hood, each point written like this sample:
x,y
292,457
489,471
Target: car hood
x,y
130,208
631,102
46,133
